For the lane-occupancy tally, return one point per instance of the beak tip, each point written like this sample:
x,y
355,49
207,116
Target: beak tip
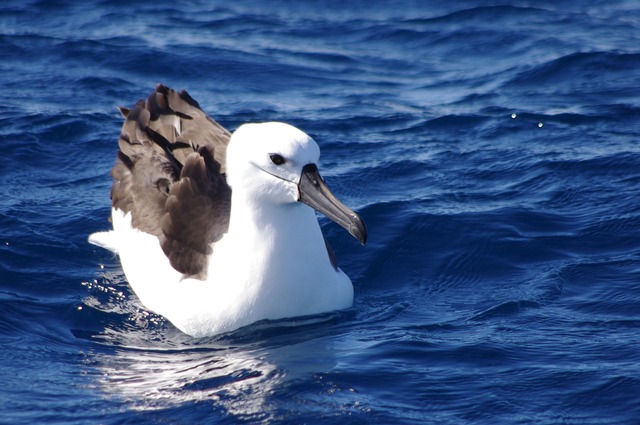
x,y
362,237
359,229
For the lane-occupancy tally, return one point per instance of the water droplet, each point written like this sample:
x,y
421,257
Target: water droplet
x,y
79,308
540,124
513,115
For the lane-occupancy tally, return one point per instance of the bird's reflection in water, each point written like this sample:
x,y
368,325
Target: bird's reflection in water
x,y
238,372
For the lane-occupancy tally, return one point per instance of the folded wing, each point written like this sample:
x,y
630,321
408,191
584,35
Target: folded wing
x,y
170,175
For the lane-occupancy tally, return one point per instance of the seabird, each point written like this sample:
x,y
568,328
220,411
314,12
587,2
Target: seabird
x,y
217,231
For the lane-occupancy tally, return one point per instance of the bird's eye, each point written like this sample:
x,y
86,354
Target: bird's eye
x,y
276,159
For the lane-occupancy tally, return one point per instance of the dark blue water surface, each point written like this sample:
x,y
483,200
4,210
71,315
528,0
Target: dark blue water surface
x,y
493,148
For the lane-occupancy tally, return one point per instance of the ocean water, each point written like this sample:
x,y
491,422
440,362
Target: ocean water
x,y
492,147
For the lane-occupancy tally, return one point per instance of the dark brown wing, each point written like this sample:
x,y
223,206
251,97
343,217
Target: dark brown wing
x,y
169,174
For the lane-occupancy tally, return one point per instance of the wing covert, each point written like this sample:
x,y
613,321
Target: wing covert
x,y
169,174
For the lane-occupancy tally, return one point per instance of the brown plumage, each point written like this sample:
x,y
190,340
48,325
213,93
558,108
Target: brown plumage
x,y
170,175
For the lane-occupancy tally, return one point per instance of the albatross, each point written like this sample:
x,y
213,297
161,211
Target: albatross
x,y
216,231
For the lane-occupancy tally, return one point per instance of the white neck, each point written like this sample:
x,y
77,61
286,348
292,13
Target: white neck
x,y
279,235
276,255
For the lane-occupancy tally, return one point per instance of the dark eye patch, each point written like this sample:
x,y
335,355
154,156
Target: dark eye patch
x,y
277,159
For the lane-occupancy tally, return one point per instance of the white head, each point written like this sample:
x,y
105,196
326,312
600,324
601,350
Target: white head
x,y
275,163
266,160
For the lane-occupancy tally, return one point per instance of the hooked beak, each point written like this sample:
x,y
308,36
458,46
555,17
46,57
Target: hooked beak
x,y
315,193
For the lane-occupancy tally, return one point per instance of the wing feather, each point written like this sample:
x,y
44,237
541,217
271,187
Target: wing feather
x,y
169,174
196,214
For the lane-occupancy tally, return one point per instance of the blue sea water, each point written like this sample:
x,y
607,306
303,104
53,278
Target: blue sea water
x,y
492,147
